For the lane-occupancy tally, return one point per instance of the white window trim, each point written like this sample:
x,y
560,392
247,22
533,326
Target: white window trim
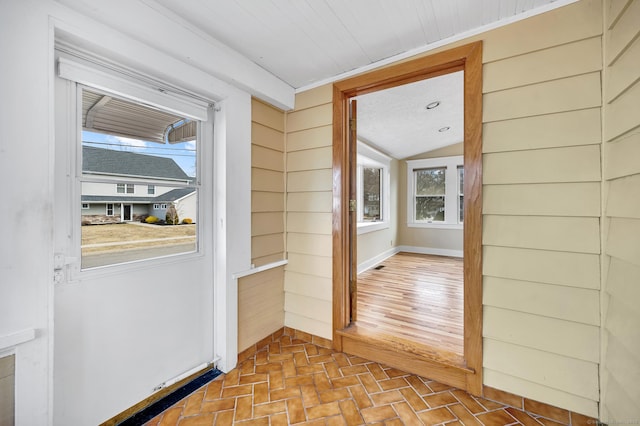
x,y
92,78
451,191
370,157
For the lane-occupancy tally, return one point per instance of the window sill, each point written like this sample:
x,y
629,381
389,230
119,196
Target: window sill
x,y
435,225
366,227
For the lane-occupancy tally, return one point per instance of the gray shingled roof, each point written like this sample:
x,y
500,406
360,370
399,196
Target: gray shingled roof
x,y
100,160
173,195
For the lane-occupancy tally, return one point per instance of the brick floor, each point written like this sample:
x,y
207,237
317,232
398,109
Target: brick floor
x,y
294,382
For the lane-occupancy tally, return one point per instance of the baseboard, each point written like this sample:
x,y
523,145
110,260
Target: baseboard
x,y
276,335
370,263
431,250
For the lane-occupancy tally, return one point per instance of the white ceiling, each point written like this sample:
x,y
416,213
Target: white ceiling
x,y
306,43
397,122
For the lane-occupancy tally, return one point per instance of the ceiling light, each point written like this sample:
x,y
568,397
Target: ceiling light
x,y
433,104
444,129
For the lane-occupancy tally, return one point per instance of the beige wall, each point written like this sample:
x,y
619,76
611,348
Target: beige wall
x,y
260,306
541,208
541,233
373,246
435,240
621,315
7,387
261,295
267,183
308,289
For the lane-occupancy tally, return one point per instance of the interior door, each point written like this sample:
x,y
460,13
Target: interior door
x,y
353,209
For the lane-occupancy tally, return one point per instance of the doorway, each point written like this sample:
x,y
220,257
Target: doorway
x,y
126,212
464,372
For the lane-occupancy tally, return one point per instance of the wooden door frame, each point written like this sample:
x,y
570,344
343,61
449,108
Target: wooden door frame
x,y
469,59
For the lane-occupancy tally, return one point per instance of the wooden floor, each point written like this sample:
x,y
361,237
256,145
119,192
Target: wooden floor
x,y
417,297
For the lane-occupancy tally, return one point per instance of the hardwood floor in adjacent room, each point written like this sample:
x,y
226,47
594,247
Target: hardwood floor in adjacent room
x,y
416,297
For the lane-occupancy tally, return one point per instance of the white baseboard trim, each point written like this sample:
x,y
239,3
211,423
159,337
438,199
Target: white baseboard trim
x,y
370,263
431,250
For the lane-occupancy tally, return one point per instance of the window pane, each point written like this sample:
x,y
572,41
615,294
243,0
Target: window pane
x,y
128,144
430,181
372,194
430,209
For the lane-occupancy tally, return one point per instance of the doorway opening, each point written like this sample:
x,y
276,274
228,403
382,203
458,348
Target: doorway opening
x,y
464,370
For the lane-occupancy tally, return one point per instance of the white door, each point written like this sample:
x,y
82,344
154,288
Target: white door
x,y
130,323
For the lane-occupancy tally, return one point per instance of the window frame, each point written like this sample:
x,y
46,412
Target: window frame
x,y
129,188
113,209
88,206
372,158
451,195
151,190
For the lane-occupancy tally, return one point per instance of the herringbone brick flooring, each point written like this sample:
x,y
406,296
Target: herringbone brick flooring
x,y
294,382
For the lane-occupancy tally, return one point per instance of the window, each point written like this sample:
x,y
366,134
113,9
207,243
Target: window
x,y
435,188
86,206
122,188
429,194
373,181
372,194
125,143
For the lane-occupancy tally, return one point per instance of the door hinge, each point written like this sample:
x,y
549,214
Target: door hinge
x,y
352,124
352,205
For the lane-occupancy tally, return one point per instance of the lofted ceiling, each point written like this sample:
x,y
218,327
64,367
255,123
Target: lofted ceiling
x,y
307,43
413,118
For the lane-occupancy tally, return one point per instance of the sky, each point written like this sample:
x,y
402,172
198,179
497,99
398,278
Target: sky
x,y
184,154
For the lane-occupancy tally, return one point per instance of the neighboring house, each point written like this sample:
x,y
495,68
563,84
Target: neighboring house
x,y
134,199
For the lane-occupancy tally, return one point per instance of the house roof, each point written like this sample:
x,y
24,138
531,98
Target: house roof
x,y
124,163
167,197
173,195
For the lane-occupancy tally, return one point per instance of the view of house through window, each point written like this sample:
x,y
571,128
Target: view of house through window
x,y
138,184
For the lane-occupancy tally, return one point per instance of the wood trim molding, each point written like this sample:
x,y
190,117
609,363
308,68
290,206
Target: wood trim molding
x,y
469,59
